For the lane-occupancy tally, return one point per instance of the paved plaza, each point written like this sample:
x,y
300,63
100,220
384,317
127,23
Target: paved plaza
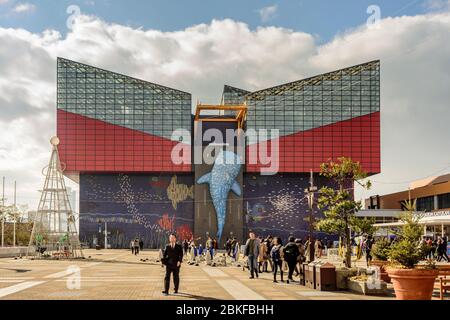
x,y
117,274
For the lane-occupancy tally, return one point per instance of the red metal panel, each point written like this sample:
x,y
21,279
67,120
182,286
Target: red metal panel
x,y
358,138
92,145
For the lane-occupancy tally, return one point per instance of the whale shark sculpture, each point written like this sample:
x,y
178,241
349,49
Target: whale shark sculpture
x,y
221,180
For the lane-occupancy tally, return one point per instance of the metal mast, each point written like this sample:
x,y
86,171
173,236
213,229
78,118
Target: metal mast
x,y
54,230
310,196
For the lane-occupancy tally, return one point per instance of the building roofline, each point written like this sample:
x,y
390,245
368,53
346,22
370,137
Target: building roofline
x,y
235,88
435,181
121,74
316,77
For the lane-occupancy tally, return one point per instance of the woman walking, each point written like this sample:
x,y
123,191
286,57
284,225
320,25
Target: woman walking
x,y
277,260
262,257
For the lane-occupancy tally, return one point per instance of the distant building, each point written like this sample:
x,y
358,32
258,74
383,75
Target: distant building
x,y
432,197
29,216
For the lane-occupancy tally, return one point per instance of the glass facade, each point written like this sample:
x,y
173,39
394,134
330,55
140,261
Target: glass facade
x,y
233,96
111,122
326,116
425,203
444,201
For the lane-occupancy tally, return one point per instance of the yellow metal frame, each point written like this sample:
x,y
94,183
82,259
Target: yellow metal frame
x,y
238,117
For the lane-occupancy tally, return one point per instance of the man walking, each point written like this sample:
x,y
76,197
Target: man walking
x,y
291,253
172,258
185,246
136,246
209,246
252,252
368,248
132,246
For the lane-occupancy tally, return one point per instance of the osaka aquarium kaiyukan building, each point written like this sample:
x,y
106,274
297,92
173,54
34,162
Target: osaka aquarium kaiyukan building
x,y
149,163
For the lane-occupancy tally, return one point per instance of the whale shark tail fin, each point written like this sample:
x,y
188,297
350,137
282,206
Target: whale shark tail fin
x,y
236,188
204,179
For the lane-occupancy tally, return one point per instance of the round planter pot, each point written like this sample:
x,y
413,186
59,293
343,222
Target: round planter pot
x,y
382,265
413,284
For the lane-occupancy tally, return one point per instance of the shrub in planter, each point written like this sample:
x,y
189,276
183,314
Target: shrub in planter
x,y
410,281
380,251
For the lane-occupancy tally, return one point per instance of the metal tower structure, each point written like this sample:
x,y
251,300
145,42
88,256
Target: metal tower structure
x,y
54,231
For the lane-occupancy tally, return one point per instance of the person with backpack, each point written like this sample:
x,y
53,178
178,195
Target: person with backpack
x,y
301,256
290,254
228,247
277,260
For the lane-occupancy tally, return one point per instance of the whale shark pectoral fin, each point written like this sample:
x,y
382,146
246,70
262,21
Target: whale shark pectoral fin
x,y
204,179
236,188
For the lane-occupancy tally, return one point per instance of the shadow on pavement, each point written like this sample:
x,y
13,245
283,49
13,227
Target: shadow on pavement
x,y
17,270
193,296
123,262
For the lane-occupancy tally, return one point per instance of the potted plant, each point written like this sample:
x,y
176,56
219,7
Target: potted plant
x,y
380,251
411,281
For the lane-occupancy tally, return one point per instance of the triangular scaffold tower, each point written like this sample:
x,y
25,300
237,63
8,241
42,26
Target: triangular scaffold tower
x,y
54,233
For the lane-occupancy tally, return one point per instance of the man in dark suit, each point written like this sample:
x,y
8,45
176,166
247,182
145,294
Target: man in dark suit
x,y
172,258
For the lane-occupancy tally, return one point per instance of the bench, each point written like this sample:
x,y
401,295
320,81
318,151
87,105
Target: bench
x,y
61,254
444,280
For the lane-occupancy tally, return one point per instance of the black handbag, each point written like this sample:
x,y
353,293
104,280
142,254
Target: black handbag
x,y
164,261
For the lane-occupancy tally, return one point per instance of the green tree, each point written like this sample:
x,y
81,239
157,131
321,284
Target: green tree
x,y
365,226
380,249
338,204
409,250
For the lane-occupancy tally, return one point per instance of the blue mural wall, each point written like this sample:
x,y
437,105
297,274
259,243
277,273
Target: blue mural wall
x,y
135,205
276,205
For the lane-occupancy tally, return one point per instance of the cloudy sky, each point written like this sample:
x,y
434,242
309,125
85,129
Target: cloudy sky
x,y
248,44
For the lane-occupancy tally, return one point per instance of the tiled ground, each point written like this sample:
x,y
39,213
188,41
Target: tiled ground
x,y
116,274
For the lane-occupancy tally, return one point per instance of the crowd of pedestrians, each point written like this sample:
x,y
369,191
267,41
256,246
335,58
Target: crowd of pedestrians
x,y
437,248
263,254
136,245
270,252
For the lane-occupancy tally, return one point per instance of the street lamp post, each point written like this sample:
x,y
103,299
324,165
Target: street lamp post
x,y
106,234
14,216
310,196
3,214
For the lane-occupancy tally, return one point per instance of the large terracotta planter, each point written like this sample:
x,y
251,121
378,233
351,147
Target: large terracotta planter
x,y
413,284
383,273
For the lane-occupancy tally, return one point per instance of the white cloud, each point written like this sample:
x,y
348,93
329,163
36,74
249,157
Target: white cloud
x,y
2,2
268,13
414,55
24,7
436,5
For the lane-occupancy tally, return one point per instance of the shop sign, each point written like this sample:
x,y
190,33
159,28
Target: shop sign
x,y
441,213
